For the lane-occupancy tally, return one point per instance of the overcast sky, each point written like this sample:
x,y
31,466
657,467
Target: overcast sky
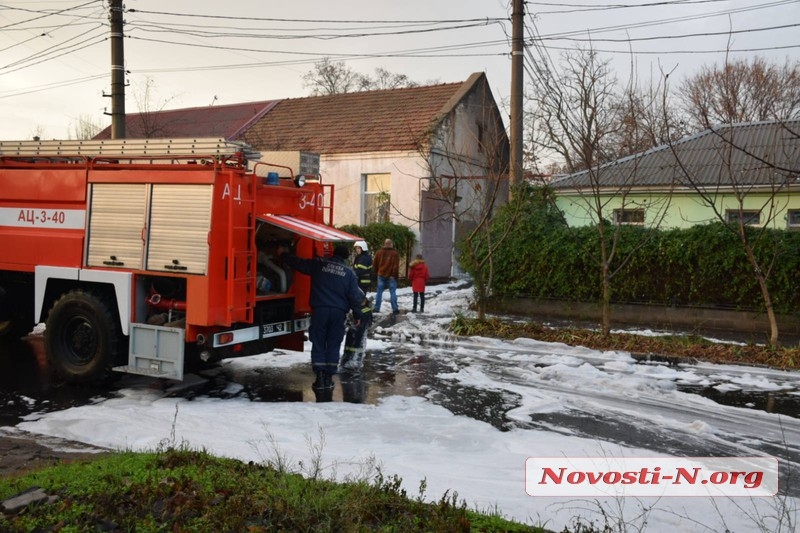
x,y
55,55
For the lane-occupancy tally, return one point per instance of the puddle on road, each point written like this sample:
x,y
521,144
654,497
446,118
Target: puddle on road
x,y
27,386
780,402
386,373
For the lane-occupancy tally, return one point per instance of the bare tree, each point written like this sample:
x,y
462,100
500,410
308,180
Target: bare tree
x,y
38,133
575,112
646,119
741,91
469,175
152,125
465,158
744,180
583,117
328,77
85,127
383,79
752,167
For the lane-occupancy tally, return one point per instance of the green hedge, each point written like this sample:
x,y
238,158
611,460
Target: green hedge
x,y
375,235
700,266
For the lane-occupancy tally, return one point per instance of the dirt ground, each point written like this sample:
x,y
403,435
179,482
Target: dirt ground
x,y
24,453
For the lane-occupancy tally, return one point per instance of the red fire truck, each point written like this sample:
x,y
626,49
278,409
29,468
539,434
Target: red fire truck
x,y
148,256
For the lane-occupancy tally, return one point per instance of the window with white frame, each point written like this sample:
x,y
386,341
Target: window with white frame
x,y
748,217
377,197
629,216
793,218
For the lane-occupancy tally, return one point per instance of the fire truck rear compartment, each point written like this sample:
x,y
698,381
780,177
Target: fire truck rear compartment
x,y
165,249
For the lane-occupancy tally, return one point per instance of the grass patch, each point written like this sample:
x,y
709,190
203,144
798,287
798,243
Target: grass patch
x,y
674,346
181,490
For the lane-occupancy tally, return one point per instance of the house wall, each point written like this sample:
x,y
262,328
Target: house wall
x,y
676,210
455,152
346,172
469,157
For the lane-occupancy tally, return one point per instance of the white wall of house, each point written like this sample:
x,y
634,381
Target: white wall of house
x,y
346,172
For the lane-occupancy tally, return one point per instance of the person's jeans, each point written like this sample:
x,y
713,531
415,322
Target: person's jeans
x,y
383,283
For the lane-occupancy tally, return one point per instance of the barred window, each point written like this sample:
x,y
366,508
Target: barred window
x,y
793,218
628,216
748,217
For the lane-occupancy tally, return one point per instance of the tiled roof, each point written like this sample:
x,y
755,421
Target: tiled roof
x,y
227,121
371,121
760,153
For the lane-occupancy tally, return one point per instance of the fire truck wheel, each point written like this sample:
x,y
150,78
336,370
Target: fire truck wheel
x,y
81,337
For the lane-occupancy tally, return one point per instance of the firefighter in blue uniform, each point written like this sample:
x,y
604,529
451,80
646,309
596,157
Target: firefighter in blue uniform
x,y
334,291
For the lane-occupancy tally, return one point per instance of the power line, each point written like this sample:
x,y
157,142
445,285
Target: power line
x,y
52,53
579,8
54,85
688,52
663,37
313,58
327,36
661,22
317,21
625,6
58,49
569,36
227,30
43,14
314,54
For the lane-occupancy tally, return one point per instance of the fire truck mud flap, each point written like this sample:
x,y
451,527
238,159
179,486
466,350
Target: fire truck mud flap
x,y
155,351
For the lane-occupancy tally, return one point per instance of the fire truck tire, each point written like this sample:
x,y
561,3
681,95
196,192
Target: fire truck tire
x,y
82,337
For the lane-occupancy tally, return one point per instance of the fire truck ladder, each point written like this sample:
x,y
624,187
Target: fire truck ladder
x,y
242,267
208,146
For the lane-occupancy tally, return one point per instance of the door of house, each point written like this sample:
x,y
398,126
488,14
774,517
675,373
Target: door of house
x,y
437,235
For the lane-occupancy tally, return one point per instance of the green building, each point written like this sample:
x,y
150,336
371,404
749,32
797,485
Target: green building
x,y
742,171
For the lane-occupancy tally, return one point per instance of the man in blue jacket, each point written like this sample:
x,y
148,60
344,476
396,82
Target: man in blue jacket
x,y
334,291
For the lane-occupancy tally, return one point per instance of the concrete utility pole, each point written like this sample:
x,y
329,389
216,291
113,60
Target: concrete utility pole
x,y
117,70
516,92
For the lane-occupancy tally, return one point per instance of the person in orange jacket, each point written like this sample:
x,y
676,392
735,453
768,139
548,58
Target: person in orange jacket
x,y
419,275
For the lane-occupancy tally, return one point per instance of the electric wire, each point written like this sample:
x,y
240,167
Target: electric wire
x,y
326,36
43,13
578,8
665,21
54,85
669,37
142,25
55,52
315,53
316,21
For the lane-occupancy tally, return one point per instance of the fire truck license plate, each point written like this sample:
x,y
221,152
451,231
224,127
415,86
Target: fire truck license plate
x,y
268,330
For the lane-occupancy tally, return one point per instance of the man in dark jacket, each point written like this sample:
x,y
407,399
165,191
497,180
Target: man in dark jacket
x,y
334,291
362,264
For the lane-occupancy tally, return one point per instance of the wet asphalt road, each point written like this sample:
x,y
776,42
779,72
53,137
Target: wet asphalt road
x,y
28,387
